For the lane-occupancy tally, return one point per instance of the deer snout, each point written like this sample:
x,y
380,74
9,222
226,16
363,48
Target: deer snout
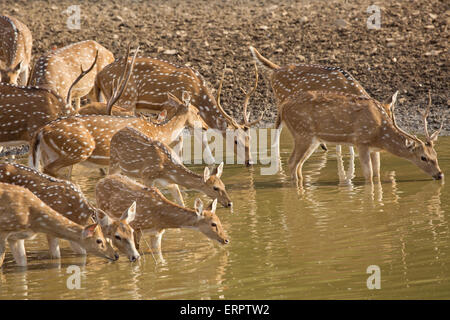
x,y
438,176
226,241
116,256
134,258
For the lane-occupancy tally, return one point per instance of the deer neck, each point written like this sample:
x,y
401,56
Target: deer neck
x,y
394,141
172,129
50,222
185,177
176,216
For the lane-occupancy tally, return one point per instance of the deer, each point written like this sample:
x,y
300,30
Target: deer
x,y
117,89
16,42
289,80
23,110
58,69
138,156
154,78
86,139
24,215
154,212
68,200
319,116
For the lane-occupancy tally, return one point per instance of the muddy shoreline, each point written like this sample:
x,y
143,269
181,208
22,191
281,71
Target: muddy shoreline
x,y
408,53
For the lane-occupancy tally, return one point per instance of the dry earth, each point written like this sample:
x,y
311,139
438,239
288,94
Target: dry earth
x,y
408,53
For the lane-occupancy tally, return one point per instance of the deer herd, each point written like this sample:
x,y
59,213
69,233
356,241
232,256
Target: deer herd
x,y
118,131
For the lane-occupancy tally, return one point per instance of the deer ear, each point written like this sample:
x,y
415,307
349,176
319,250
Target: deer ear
x,y
198,205
18,66
162,116
219,170
390,103
89,231
186,98
214,206
206,174
130,214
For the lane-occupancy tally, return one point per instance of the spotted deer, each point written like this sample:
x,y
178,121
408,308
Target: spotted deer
x,y
23,110
153,79
67,199
58,69
138,156
23,215
15,50
86,139
315,116
290,80
117,89
154,213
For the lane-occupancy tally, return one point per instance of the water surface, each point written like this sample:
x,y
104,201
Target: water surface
x,y
285,243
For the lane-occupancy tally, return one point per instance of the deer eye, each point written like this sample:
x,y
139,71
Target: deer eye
x,y
118,237
216,189
213,224
99,241
423,158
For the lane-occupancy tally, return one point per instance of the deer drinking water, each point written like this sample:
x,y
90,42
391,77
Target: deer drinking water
x,y
67,199
24,215
153,79
86,139
138,156
316,116
291,80
154,213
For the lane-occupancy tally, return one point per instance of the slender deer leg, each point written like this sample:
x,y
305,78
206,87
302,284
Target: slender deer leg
x,y
303,149
351,166
366,163
2,247
77,248
53,245
343,179
18,251
176,193
137,238
156,241
375,158
178,148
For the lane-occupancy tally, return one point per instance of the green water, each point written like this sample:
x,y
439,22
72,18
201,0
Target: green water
x,y
285,244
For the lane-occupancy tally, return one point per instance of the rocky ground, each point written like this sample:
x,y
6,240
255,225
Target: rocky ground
x,y
408,53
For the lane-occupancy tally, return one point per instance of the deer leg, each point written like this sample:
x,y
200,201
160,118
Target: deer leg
x,y
375,158
18,251
2,247
137,238
343,179
351,166
176,193
302,151
155,241
53,245
178,148
366,163
77,248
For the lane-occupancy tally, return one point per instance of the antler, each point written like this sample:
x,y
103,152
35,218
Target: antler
x,y
394,122
247,98
118,88
425,122
219,106
82,74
